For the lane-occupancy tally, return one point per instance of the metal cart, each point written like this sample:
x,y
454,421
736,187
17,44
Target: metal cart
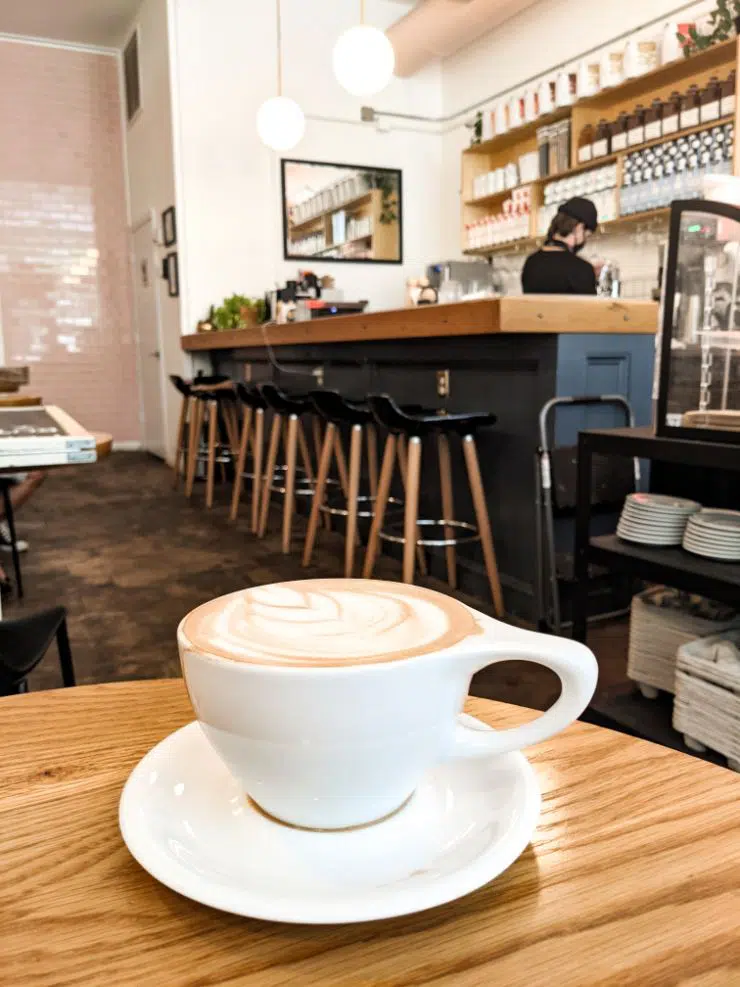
x,y
555,469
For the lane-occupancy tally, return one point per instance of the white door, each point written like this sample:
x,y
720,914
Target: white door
x,y
146,302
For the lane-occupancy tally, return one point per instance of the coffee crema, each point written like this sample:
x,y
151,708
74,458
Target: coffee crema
x,y
328,622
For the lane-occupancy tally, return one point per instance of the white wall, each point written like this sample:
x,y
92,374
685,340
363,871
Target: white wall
x,y
152,180
229,194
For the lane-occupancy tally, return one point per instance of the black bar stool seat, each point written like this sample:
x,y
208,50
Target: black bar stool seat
x,y
285,404
335,408
408,421
250,396
407,427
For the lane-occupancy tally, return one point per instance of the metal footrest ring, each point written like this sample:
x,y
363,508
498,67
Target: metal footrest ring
x,y
462,526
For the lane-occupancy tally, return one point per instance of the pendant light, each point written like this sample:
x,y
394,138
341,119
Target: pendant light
x,y
280,120
363,59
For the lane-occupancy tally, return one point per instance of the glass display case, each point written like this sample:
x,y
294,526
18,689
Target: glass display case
x,y
699,364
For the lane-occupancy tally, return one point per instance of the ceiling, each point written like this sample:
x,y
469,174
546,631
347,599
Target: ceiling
x,y
436,29
89,22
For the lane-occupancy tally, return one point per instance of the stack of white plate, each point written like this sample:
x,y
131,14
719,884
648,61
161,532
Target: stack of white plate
x,y
714,534
654,519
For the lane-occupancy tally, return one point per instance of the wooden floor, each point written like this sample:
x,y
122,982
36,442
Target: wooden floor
x,y
129,557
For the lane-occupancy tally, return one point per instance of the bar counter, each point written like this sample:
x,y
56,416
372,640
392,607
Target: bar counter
x,y
508,355
516,314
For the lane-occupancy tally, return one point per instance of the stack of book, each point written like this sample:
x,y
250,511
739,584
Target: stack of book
x,y
34,437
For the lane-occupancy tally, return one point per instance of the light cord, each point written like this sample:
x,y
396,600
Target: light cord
x,y
279,51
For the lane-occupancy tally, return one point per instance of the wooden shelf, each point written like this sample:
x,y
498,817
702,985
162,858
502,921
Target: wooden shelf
x,y
607,104
515,246
494,197
510,247
361,200
665,76
344,243
519,135
637,217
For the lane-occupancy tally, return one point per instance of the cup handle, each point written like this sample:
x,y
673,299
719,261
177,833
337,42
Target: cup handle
x,y
573,663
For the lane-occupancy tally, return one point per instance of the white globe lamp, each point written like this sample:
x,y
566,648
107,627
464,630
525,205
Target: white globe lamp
x,y
363,60
281,123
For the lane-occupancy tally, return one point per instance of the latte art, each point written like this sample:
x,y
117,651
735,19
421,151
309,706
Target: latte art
x,y
328,622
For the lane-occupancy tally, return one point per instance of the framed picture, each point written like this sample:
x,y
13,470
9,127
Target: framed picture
x,y
169,226
341,212
171,272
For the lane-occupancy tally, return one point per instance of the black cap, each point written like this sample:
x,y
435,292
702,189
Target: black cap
x,y
583,210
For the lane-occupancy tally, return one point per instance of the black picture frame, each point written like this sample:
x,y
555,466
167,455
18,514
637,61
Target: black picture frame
x,y
287,255
171,272
169,227
662,428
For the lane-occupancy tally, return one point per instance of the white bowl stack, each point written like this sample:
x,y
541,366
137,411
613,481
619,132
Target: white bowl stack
x,y
714,534
655,519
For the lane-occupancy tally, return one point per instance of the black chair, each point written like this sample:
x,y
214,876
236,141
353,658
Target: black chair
x,y
23,644
5,486
406,427
288,410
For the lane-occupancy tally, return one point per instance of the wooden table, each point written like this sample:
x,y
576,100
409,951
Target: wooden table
x,y
633,877
14,400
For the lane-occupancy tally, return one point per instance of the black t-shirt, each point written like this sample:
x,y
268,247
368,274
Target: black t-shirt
x,y
557,272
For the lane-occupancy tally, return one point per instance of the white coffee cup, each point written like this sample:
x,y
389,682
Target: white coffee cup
x,y
330,699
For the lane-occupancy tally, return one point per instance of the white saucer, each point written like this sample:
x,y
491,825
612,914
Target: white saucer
x,y
186,821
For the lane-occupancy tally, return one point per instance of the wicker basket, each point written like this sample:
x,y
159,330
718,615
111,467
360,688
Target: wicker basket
x,y
662,620
707,704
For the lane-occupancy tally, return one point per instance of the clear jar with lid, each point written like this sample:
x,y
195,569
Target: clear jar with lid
x,y
709,99
602,144
654,121
689,114
636,126
619,133
585,144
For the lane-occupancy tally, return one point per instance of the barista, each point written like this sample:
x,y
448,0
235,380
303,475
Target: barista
x,y
556,269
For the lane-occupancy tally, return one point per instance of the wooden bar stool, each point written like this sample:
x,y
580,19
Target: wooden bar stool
x,y
286,430
214,435
336,411
403,426
185,388
253,436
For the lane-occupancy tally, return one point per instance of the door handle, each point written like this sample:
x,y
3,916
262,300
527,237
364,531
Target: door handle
x,y
155,353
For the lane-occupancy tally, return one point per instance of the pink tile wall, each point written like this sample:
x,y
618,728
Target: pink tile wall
x,y
65,283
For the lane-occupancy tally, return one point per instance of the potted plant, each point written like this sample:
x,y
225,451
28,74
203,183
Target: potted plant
x,y
722,24
238,312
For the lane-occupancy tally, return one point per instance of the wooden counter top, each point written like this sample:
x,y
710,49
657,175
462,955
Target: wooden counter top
x,y
515,314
